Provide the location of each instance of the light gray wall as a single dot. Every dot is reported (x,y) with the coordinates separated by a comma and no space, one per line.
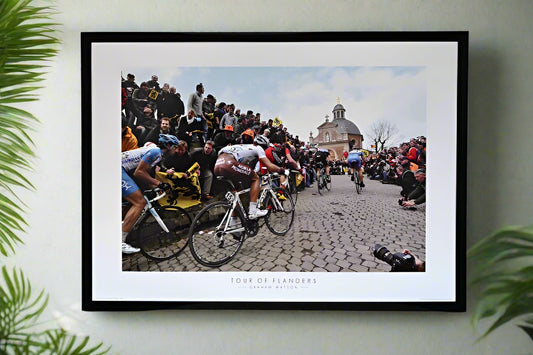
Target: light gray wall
(499,175)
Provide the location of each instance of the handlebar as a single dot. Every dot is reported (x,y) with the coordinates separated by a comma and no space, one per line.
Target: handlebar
(154,194)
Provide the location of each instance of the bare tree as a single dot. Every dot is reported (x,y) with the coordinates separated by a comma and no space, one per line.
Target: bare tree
(381,133)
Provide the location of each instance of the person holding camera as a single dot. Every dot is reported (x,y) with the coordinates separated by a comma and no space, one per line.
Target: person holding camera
(400,262)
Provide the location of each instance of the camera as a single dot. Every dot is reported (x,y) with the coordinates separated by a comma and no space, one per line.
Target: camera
(398,261)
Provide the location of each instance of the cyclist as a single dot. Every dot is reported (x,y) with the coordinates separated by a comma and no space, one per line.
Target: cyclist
(321,159)
(136,167)
(237,163)
(277,153)
(355,161)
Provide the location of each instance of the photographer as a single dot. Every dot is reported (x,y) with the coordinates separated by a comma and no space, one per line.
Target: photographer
(418,195)
(399,262)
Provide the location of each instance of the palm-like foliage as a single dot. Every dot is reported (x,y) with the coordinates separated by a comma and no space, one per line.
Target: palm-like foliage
(27,41)
(503,266)
(19,311)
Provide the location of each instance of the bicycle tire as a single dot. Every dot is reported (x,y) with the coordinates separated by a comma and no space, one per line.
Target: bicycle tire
(154,242)
(327,184)
(293,188)
(277,221)
(357,182)
(208,246)
(319,183)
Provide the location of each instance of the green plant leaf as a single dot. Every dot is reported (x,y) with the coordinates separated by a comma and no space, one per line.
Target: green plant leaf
(503,268)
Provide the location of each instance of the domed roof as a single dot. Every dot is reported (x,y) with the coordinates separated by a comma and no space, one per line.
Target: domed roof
(346,126)
(338,107)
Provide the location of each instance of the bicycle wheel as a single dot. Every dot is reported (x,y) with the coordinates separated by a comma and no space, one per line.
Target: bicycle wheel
(211,242)
(292,187)
(357,182)
(279,218)
(155,243)
(327,183)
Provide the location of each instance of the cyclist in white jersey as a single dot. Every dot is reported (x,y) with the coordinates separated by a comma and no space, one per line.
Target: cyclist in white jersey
(237,162)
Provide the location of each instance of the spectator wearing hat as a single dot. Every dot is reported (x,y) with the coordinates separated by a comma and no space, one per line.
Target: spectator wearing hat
(247,137)
(224,138)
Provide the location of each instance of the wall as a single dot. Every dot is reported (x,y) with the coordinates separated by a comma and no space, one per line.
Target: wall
(499,175)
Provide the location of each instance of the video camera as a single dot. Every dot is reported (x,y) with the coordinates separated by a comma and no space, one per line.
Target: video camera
(399,262)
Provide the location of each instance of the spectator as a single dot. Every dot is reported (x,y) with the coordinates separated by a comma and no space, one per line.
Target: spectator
(129,86)
(195,103)
(208,107)
(175,108)
(418,195)
(224,138)
(220,111)
(153,84)
(140,98)
(187,127)
(206,158)
(179,162)
(145,123)
(164,102)
(164,127)
(229,118)
(129,141)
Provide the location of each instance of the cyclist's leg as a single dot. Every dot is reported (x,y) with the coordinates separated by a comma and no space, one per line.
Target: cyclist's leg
(360,172)
(132,194)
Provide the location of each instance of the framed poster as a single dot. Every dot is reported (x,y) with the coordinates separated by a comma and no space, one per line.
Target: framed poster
(398,98)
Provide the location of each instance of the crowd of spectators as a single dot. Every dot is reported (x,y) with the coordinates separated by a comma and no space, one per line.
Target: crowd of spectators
(405,166)
(205,125)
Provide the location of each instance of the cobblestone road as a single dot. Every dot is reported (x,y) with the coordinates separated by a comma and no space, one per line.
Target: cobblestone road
(335,232)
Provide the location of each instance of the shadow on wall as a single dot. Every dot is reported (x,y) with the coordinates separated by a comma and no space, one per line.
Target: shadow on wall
(485,150)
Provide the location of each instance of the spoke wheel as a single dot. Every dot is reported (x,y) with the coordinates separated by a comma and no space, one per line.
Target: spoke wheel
(158,245)
(279,218)
(210,241)
(358,187)
(327,184)
(293,189)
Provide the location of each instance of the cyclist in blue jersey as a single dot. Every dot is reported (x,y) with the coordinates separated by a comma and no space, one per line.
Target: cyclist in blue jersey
(136,167)
(355,161)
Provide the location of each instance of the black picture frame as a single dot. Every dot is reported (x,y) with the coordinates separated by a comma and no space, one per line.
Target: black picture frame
(98,265)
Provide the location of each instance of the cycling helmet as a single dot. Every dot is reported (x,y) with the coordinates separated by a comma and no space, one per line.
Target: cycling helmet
(168,139)
(262,141)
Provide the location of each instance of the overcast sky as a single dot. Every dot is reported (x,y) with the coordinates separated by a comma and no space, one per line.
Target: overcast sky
(303,96)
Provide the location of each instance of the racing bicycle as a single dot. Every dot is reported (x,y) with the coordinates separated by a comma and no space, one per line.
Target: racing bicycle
(323,183)
(219,230)
(357,181)
(160,231)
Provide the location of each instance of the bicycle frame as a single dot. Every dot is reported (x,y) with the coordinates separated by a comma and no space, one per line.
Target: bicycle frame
(150,207)
(234,198)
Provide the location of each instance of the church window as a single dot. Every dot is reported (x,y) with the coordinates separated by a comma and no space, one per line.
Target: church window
(327,137)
